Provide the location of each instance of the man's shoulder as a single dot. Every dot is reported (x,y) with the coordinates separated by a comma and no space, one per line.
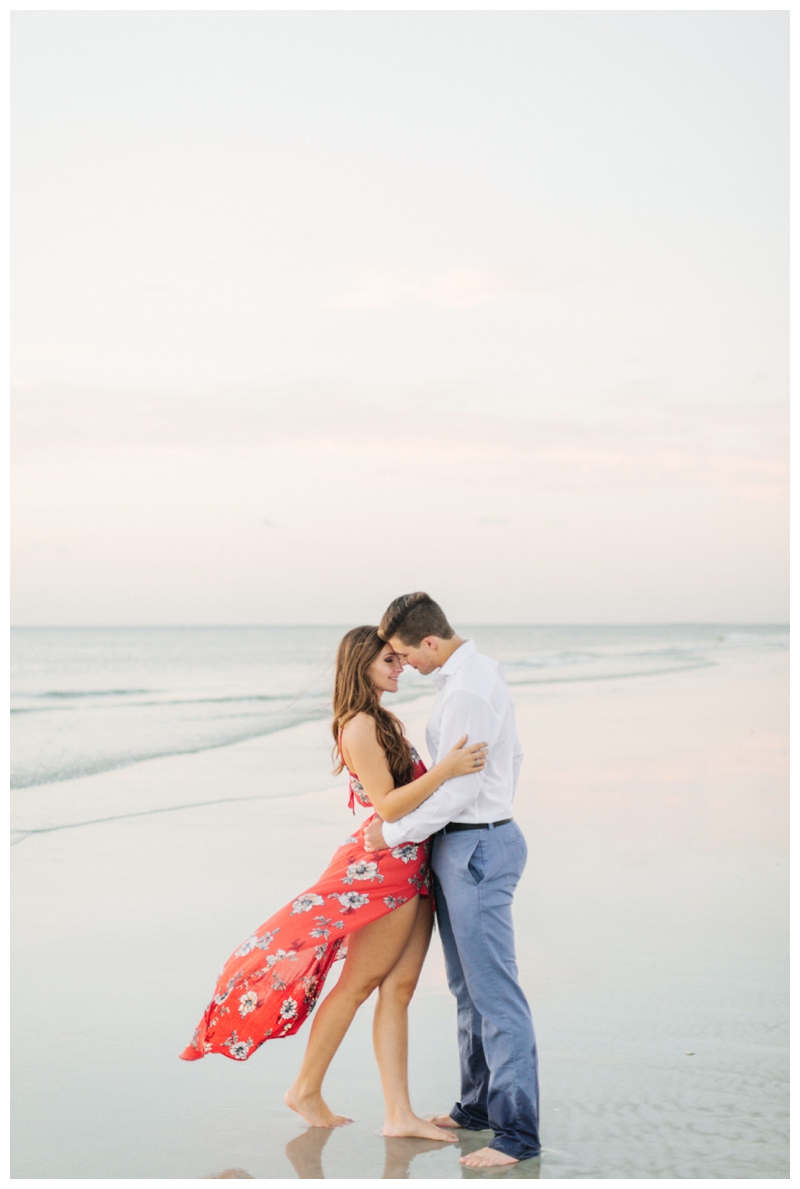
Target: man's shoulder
(480,662)
(478,674)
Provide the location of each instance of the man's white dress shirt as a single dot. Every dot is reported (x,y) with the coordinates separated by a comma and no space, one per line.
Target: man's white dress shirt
(472,700)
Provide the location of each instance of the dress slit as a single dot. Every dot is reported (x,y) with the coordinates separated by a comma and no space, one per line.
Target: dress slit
(271,983)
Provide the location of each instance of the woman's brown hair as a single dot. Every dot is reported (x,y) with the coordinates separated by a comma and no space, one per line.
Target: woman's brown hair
(354,692)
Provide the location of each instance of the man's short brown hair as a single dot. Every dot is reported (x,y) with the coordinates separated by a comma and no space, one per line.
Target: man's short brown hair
(412,617)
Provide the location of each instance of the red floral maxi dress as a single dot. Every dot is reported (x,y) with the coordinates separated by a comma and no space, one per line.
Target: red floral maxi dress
(273,980)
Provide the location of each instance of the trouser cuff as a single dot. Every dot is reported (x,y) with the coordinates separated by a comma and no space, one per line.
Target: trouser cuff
(468,1120)
(509,1148)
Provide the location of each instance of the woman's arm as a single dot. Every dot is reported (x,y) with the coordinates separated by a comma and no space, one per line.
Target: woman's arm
(360,740)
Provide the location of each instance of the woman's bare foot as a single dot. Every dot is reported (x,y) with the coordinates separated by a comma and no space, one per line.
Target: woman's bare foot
(487,1158)
(442,1121)
(313,1109)
(412,1125)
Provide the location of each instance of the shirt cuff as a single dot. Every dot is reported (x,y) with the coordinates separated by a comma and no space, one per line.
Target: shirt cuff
(394,834)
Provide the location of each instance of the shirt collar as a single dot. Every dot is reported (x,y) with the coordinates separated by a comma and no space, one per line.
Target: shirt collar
(454,662)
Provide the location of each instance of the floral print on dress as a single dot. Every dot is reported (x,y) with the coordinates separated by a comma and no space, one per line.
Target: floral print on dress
(349,900)
(406,852)
(279,956)
(357,791)
(306,903)
(288,1009)
(222,995)
(362,870)
(274,992)
(247,1003)
(420,879)
(255,941)
(321,926)
(239,1049)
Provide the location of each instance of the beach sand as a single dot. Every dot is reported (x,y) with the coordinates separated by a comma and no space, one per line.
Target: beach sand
(651,928)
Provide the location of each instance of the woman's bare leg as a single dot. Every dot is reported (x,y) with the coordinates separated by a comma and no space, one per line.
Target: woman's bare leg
(371,953)
(390,1032)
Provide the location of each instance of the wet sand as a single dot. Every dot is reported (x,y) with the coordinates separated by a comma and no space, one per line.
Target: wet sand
(651,925)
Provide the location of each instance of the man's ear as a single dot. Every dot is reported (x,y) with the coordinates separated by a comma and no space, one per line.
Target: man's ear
(432,643)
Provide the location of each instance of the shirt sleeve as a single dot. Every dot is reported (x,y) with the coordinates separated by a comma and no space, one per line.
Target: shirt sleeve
(463,713)
(518,754)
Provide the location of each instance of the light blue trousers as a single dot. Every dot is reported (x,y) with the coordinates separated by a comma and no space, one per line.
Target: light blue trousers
(476,872)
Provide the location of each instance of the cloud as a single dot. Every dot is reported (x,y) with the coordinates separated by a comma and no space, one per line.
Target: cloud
(639,444)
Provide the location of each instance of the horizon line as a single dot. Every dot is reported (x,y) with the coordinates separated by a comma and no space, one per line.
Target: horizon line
(345,626)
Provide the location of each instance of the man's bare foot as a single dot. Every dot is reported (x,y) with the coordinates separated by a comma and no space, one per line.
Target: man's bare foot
(313,1109)
(487,1158)
(442,1121)
(412,1125)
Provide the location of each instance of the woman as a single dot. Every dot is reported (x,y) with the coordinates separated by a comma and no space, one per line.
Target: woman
(373,908)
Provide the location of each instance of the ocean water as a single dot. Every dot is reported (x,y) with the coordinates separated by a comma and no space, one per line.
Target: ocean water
(87,700)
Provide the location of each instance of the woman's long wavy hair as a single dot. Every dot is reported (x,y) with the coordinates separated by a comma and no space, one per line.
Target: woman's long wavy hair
(353,691)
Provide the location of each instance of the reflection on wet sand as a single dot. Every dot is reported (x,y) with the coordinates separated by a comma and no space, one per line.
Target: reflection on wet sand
(526,1170)
(305,1154)
(232,1174)
(401,1150)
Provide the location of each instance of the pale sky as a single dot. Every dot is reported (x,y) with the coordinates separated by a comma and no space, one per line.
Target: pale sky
(311,309)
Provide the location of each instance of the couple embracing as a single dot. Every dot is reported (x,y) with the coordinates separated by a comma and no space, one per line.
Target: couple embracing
(445,835)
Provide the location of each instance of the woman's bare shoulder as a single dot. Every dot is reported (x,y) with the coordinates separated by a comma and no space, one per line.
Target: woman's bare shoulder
(360,728)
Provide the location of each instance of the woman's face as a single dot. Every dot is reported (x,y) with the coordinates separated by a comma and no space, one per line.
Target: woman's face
(385,670)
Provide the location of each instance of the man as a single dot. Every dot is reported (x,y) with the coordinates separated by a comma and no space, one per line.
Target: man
(478,857)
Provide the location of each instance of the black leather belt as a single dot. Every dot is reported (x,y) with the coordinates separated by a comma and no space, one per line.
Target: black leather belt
(452,826)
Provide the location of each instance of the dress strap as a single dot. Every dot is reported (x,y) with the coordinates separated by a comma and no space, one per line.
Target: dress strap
(351,804)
